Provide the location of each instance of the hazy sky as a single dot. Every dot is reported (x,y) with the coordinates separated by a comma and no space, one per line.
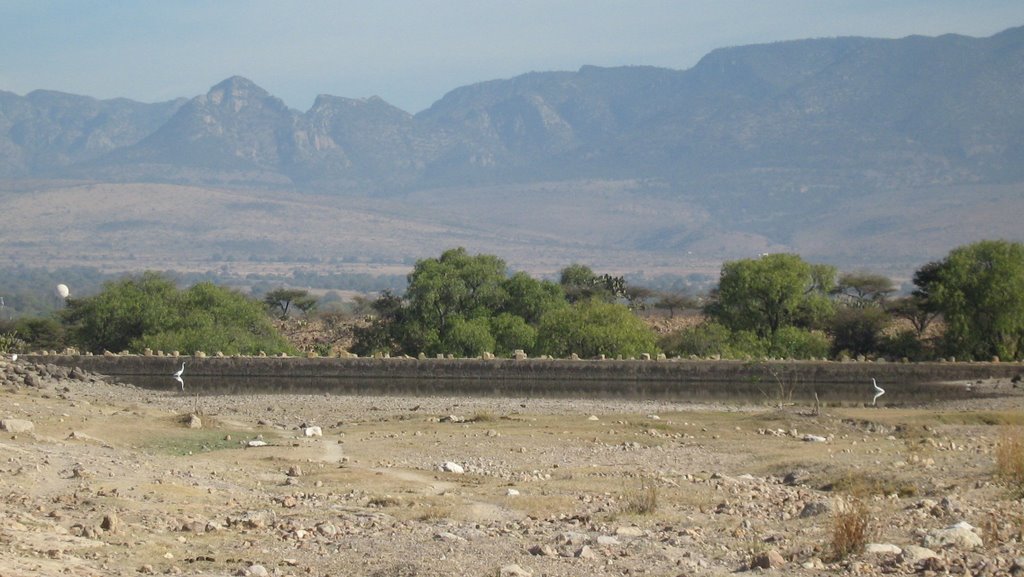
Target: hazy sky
(411,52)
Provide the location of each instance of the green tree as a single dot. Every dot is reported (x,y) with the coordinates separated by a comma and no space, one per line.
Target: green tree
(387,328)
(704,340)
(915,310)
(796,343)
(41,333)
(469,338)
(529,298)
(858,330)
(766,294)
(149,311)
(863,289)
(979,288)
(591,328)
(512,332)
(214,318)
(282,299)
(452,287)
(673,302)
(122,313)
(580,283)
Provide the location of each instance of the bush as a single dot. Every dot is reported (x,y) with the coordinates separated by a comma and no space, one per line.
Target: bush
(512,332)
(858,330)
(643,501)
(704,340)
(1010,459)
(150,312)
(41,333)
(469,338)
(593,328)
(10,343)
(904,344)
(849,530)
(791,342)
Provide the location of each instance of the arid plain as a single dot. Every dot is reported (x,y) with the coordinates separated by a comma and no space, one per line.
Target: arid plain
(100,478)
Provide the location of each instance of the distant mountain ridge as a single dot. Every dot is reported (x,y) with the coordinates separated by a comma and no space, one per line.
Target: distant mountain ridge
(765,139)
(949,106)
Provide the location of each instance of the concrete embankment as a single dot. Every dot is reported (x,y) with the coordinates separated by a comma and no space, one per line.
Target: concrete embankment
(553,372)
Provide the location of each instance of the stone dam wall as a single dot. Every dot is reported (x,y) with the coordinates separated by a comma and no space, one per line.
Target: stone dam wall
(470,375)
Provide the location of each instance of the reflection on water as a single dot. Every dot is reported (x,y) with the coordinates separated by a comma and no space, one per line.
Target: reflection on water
(632,389)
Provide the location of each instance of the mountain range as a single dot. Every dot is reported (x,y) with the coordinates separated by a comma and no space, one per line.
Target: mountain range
(857,151)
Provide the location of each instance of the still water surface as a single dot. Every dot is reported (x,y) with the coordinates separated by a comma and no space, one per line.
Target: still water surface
(738,392)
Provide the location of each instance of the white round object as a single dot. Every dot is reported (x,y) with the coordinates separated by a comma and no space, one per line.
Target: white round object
(63,291)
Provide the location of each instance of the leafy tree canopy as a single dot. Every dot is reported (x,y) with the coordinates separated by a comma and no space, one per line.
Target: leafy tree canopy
(979,288)
(282,300)
(149,311)
(862,289)
(591,328)
(465,305)
(765,294)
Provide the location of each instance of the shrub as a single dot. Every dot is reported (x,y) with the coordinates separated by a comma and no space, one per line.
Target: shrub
(849,530)
(643,501)
(1010,459)
(593,328)
(792,342)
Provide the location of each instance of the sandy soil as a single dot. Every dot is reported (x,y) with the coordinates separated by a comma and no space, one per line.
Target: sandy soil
(116,480)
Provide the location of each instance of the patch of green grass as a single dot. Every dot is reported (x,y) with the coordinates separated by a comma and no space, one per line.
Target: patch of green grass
(193,441)
(862,485)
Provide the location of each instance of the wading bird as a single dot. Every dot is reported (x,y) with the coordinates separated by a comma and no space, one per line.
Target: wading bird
(177,377)
(879,391)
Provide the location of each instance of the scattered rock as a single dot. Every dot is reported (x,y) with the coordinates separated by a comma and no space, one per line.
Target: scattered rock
(912,554)
(194,422)
(16,425)
(960,536)
(313,431)
(770,559)
(815,508)
(544,550)
(452,467)
(513,570)
(585,552)
(882,549)
(111,523)
(794,478)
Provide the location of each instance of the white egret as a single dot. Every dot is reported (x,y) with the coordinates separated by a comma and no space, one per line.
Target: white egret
(177,376)
(879,391)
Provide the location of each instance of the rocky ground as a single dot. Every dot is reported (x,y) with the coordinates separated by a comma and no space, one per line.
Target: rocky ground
(104,479)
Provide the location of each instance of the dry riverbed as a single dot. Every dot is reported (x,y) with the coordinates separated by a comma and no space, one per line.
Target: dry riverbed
(105,479)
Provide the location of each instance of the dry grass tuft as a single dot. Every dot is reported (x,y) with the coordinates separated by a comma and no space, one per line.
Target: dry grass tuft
(850,529)
(1010,459)
(385,501)
(435,513)
(482,417)
(643,501)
